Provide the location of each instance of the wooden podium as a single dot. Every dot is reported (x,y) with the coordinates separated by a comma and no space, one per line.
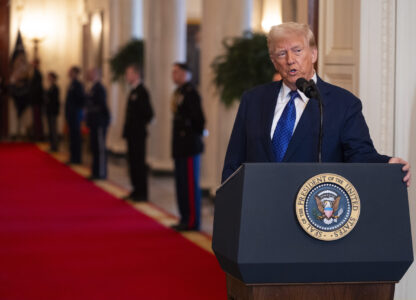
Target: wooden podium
(266,254)
(238,290)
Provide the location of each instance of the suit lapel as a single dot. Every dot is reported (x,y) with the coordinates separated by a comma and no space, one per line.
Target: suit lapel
(308,121)
(267,118)
(324,89)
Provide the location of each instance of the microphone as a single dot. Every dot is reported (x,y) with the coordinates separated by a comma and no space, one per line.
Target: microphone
(310,89)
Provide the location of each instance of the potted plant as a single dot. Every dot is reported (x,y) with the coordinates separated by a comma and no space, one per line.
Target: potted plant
(132,52)
(244,64)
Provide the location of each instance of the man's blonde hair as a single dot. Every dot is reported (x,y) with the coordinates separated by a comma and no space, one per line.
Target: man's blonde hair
(279,31)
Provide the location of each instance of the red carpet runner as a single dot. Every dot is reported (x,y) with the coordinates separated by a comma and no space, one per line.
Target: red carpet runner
(61,237)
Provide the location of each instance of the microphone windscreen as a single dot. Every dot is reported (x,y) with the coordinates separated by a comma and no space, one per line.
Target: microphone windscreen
(302,84)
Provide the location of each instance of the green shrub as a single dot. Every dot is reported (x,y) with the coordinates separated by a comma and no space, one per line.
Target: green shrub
(132,52)
(245,64)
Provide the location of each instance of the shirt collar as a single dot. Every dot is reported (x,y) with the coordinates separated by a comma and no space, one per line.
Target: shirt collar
(135,85)
(286,90)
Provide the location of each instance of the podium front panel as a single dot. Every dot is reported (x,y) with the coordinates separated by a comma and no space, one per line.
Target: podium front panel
(258,239)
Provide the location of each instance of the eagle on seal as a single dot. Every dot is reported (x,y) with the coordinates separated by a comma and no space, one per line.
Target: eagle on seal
(328,204)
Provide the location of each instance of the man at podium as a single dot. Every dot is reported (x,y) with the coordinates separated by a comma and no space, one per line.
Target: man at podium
(276,122)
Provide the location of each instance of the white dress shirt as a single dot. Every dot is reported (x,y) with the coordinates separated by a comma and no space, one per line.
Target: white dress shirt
(282,99)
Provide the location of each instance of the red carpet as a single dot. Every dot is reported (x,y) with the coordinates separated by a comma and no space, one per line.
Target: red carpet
(61,237)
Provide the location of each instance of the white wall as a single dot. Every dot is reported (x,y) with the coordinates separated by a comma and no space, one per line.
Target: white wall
(405,117)
(339,43)
(387,87)
(165,43)
(388,90)
(193,10)
(137,19)
(377,70)
(220,19)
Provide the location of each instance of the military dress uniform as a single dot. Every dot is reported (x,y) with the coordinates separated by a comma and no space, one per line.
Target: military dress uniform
(75,101)
(138,115)
(98,119)
(52,111)
(187,145)
(37,98)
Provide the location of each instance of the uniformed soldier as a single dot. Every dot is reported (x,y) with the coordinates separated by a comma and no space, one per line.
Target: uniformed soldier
(138,115)
(37,99)
(75,101)
(97,119)
(187,145)
(52,110)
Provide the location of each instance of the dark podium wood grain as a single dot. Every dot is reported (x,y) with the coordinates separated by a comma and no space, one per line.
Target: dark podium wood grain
(238,290)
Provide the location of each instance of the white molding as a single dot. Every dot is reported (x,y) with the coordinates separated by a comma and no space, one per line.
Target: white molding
(405,118)
(165,40)
(341,75)
(388,28)
(339,43)
(220,19)
(377,70)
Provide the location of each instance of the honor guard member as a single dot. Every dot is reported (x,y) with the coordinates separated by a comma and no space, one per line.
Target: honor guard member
(138,115)
(52,110)
(75,101)
(37,98)
(188,127)
(97,119)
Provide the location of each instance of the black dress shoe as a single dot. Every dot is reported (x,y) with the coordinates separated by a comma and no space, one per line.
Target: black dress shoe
(92,178)
(138,199)
(129,196)
(135,198)
(182,227)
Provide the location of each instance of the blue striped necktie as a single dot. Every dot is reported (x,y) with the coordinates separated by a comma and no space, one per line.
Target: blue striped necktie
(284,128)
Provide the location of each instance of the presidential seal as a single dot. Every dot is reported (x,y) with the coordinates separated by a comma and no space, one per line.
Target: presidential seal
(328,207)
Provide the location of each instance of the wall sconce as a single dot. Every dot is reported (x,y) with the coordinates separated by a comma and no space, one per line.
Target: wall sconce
(272,14)
(96,25)
(95,40)
(34,28)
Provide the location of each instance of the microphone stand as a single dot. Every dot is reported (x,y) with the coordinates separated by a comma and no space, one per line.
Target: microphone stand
(317,95)
(310,89)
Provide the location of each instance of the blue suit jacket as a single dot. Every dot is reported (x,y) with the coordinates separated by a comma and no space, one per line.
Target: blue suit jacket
(345,133)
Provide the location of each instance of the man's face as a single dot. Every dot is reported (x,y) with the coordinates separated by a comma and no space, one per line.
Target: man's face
(72,74)
(178,75)
(51,80)
(91,75)
(131,75)
(36,64)
(293,58)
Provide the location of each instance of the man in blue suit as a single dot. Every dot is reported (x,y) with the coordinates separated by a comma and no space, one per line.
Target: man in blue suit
(97,119)
(278,123)
(75,101)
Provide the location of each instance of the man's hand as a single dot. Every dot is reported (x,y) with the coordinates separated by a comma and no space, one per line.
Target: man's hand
(406,168)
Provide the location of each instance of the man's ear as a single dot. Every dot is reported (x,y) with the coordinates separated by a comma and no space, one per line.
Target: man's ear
(314,54)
